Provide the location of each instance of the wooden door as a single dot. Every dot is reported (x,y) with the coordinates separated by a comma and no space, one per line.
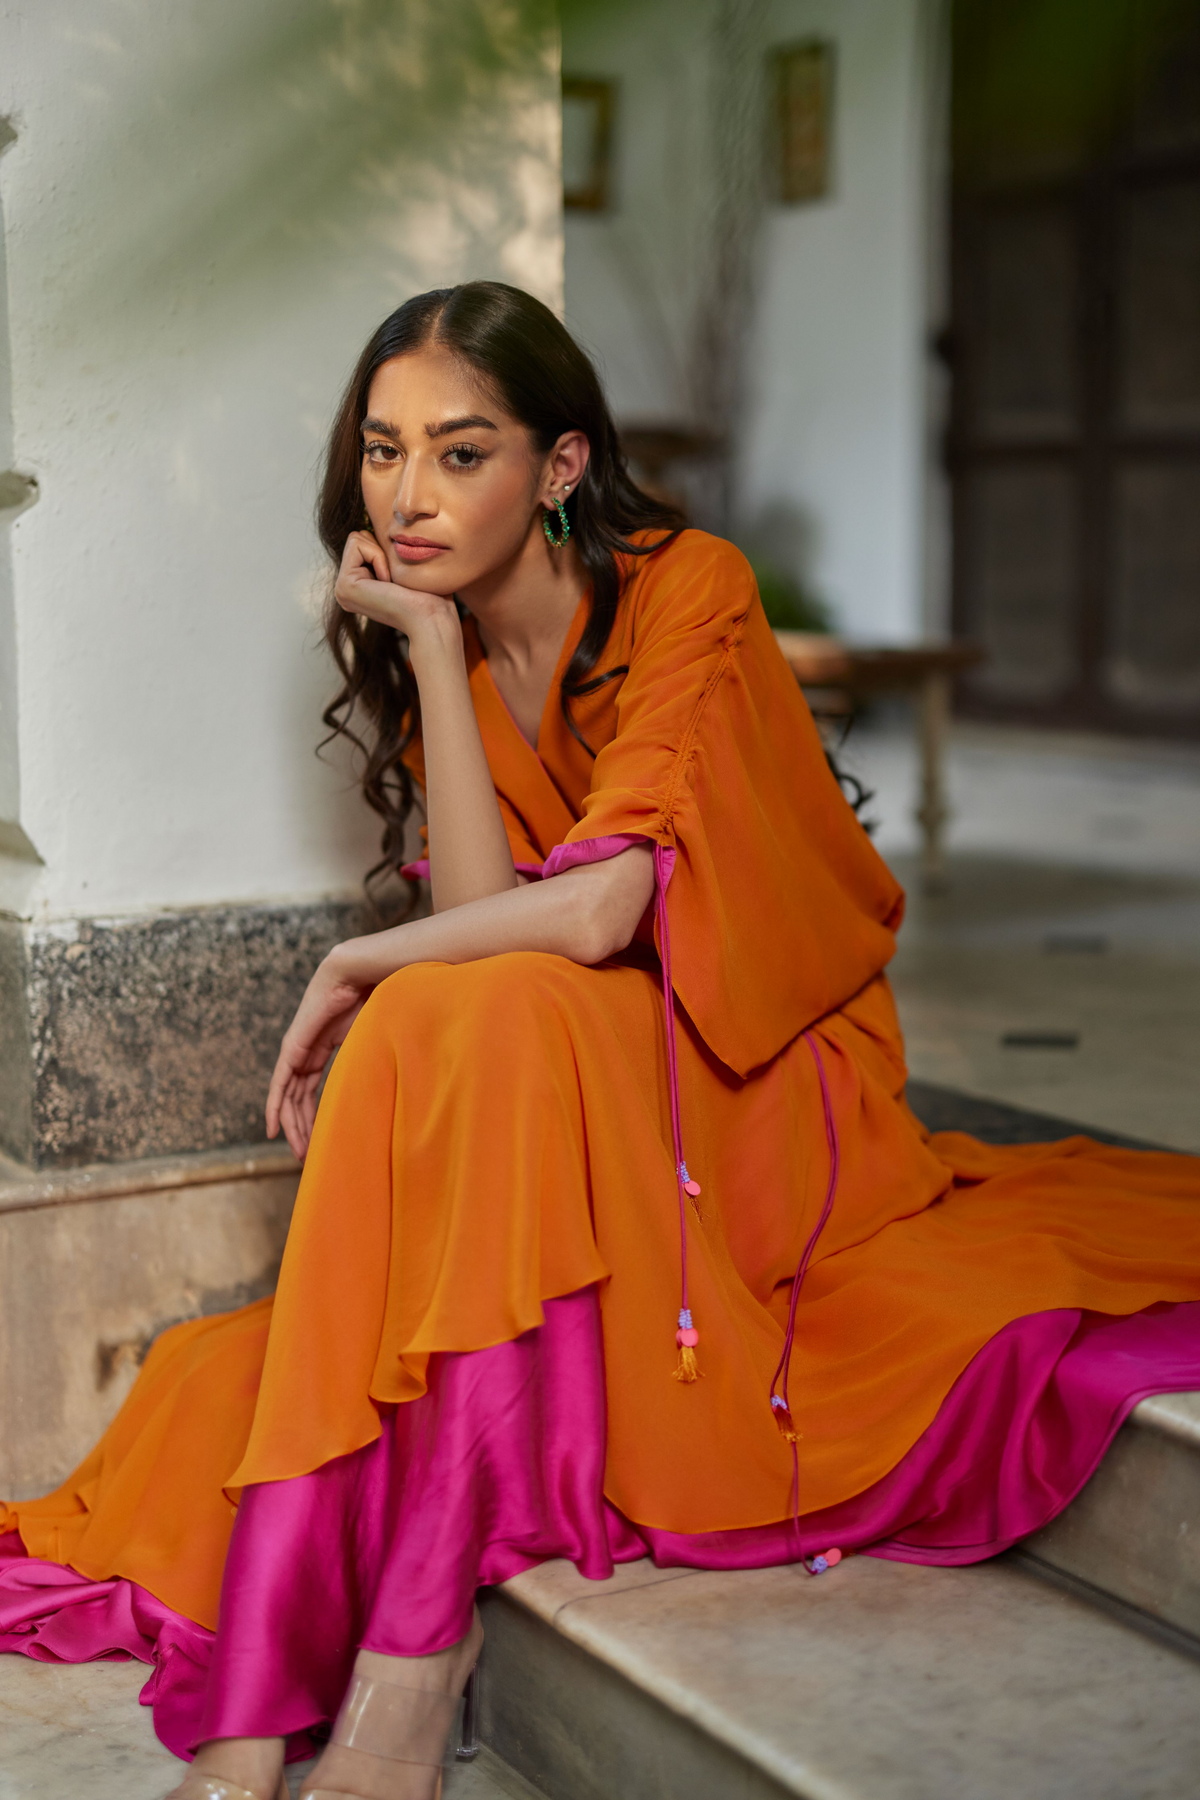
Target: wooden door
(1074,344)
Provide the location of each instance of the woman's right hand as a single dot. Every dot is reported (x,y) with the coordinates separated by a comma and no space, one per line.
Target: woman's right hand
(332,1001)
(364,585)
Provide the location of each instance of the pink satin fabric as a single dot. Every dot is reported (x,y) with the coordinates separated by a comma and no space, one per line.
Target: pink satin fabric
(500,1466)
(560,859)
(419,871)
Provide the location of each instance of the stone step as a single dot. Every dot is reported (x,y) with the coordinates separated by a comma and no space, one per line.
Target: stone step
(877,1681)
(995,1122)
(95,1262)
(1133,1533)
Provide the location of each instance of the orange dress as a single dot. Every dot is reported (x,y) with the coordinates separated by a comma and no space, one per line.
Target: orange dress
(497,1134)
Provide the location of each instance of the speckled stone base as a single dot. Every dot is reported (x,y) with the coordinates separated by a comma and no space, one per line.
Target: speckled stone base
(135,1037)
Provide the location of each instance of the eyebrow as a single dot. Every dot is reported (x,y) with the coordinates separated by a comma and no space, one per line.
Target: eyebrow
(468,422)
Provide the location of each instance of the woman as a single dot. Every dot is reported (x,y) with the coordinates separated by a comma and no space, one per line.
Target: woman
(577,1269)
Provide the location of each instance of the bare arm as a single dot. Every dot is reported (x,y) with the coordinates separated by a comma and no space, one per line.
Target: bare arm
(469,855)
(585,915)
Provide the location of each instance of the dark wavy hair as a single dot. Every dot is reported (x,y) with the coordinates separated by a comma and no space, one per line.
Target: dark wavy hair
(544,380)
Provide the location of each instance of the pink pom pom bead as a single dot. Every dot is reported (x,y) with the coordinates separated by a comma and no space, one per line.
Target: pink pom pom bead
(692,1188)
(688,1338)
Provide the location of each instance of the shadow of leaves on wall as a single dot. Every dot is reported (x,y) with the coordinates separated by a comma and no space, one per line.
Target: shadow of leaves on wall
(233,146)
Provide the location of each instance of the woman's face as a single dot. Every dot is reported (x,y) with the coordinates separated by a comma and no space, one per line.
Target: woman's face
(452,484)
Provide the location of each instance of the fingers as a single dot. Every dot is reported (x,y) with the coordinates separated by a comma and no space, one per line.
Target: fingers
(364,551)
(298,1112)
(293,1127)
(372,553)
(280,1077)
(308,1111)
(292,1105)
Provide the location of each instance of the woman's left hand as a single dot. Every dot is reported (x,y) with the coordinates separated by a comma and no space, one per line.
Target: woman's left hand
(331,1003)
(365,586)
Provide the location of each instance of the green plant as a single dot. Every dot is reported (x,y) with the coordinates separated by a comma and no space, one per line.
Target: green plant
(787,604)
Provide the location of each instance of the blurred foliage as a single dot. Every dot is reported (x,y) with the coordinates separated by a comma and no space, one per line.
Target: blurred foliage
(1044,85)
(787,604)
(232,145)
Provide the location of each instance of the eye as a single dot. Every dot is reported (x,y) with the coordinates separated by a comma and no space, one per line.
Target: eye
(379,453)
(463,456)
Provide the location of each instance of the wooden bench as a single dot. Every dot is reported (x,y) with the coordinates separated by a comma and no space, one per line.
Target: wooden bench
(838,677)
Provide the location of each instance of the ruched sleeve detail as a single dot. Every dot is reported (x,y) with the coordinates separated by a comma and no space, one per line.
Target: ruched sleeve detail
(780,907)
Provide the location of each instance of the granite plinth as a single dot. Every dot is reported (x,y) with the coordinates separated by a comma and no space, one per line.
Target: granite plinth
(137,1037)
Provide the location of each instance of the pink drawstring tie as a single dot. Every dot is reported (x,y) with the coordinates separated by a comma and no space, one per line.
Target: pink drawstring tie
(779,1381)
(686,1336)
(816,1565)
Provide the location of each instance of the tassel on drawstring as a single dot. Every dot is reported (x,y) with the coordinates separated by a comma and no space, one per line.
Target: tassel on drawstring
(687,1337)
(781,1413)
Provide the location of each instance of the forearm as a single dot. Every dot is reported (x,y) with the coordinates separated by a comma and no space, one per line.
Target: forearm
(469,855)
(584,915)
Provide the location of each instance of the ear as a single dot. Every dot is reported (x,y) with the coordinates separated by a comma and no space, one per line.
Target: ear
(564,467)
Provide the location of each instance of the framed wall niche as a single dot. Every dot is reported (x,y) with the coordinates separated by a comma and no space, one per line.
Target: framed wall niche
(589,107)
(801,79)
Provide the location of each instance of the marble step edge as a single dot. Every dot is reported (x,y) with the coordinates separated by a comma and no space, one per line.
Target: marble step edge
(23,1190)
(1148,1624)
(941,1108)
(572,1620)
(1133,1531)
(696,1685)
(1174,1415)
(561,1710)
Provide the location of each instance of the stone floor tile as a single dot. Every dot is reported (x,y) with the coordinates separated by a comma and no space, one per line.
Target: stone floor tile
(72,1732)
(78,1731)
(487,1778)
(1015,947)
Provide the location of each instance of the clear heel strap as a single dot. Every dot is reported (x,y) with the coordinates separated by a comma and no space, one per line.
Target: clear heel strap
(398,1724)
(212,1787)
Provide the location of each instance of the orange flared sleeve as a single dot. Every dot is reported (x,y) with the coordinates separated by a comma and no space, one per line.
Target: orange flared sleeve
(780,907)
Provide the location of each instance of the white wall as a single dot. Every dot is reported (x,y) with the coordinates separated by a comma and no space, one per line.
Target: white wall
(832,457)
(633,271)
(833,445)
(208,207)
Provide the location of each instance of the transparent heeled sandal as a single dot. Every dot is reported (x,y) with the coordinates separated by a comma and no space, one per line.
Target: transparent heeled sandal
(195,1786)
(404,1725)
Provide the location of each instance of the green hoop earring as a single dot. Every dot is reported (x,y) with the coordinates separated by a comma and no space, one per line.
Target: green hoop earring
(556,543)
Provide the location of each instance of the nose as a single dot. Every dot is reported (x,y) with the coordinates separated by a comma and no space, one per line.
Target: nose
(414,496)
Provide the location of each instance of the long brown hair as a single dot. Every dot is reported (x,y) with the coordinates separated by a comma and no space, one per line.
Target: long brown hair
(545,381)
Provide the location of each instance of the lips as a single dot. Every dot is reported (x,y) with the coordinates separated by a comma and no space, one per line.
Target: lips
(415,549)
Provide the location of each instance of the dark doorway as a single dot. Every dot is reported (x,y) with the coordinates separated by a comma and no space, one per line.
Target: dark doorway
(1074,445)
